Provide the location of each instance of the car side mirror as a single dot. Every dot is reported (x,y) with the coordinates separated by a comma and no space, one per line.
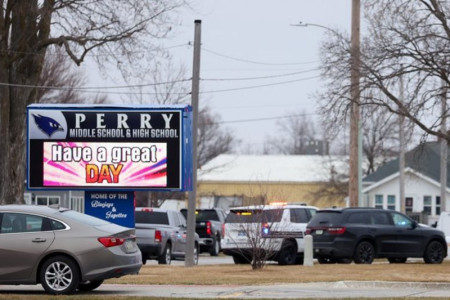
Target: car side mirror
(414,225)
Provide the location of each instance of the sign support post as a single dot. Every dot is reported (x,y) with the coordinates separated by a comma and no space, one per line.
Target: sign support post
(189,261)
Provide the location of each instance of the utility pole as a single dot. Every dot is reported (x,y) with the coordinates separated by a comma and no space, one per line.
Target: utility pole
(444,147)
(355,162)
(189,260)
(402,149)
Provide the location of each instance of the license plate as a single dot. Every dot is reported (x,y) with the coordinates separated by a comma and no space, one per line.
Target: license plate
(129,246)
(318,232)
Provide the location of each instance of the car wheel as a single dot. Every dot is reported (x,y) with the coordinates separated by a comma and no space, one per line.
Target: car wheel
(90,285)
(241,260)
(288,253)
(215,248)
(326,260)
(365,253)
(196,254)
(434,253)
(397,260)
(166,257)
(299,260)
(344,260)
(59,275)
(144,259)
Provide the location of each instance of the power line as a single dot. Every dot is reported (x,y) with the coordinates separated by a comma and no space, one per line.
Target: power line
(256,62)
(266,119)
(91,88)
(259,86)
(261,77)
(96,89)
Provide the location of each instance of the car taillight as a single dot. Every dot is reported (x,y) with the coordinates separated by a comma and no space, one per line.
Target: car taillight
(223,230)
(158,237)
(110,241)
(336,230)
(208,227)
(308,231)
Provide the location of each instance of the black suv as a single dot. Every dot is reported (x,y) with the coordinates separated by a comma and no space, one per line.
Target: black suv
(362,234)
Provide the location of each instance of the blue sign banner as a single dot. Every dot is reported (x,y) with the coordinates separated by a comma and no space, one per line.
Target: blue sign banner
(117,207)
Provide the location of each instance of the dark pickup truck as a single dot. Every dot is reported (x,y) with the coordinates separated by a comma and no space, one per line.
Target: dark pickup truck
(209,228)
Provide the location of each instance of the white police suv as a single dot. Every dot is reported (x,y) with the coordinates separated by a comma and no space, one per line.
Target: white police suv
(266,232)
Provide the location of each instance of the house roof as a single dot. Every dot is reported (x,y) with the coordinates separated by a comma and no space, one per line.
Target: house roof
(273,168)
(424,159)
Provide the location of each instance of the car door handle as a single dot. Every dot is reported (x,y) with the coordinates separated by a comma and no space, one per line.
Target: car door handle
(39,240)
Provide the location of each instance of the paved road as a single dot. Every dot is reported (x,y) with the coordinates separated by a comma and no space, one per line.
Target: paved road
(204,259)
(342,289)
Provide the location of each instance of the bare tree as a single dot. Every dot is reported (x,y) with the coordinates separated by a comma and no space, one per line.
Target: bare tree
(335,189)
(212,139)
(409,39)
(380,137)
(259,232)
(294,133)
(63,81)
(118,30)
(172,86)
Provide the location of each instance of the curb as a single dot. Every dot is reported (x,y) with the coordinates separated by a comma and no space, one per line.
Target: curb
(393,284)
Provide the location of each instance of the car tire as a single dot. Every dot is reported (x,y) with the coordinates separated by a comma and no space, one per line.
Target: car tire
(59,275)
(299,260)
(144,259)
(326,260)
(344,260)
(196,254)
(90,285)
(241,259)
(215,247)
(434,253)
(364,253)
(397,260)
(288,253)
(166,256)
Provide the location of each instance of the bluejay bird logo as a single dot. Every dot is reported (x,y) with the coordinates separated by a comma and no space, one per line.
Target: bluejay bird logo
(47,125)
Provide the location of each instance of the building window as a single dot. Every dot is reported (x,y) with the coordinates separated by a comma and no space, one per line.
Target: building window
(47,200)
(378,201)
(427,204)
(438,205)
(409,204)
(391,202)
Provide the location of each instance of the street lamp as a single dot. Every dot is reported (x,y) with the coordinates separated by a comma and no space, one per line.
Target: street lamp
(355,157)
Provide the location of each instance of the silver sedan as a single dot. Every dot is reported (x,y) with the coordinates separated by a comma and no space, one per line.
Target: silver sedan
(62,249)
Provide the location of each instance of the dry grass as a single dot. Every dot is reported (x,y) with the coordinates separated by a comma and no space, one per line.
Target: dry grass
(272,274)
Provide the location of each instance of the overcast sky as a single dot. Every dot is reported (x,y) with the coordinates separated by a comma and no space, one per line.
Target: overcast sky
(254,39)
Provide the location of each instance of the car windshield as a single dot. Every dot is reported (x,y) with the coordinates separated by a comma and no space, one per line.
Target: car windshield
(83,218)
(151,217)
(254,215)
(203,215)
(326,218)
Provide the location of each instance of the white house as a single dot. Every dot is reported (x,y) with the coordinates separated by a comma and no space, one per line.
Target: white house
(422,183)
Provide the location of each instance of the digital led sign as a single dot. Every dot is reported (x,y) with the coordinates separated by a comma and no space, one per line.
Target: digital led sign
(124,148)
